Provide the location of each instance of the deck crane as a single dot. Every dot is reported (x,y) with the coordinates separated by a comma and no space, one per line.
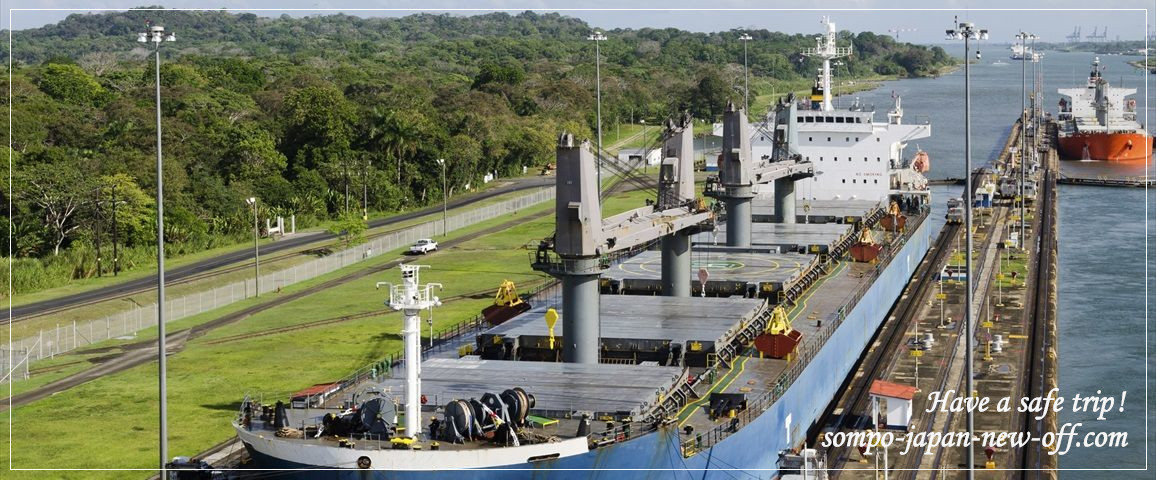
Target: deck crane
(582,241)
(738,173)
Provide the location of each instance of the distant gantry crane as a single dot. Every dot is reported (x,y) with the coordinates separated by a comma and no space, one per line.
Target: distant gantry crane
(1097,35)
(1074,37)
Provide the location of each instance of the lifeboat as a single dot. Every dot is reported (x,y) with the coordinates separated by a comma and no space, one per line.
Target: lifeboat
(922,162)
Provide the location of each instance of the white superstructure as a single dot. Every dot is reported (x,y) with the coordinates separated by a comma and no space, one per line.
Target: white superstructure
(854,156)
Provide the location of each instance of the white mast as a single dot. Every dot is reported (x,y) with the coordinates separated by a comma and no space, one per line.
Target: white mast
(411,298)
(826,48)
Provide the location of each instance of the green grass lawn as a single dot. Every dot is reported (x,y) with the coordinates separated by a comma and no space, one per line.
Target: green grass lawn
(112,422)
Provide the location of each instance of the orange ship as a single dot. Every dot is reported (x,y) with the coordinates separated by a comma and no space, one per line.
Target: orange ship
(1099,123)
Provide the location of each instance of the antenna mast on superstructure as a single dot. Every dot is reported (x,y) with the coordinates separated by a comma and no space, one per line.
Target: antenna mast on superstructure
(827,49)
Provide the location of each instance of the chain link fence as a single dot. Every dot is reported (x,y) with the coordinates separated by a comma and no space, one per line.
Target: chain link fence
(63,338)
(13,364)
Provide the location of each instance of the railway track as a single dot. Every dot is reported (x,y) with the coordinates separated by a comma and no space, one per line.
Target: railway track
(876,359)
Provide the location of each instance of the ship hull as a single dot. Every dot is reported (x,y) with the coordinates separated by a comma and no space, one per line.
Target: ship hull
(1111,147)
(753,449)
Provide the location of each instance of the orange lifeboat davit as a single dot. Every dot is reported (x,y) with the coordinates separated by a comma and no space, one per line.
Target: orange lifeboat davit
(922,162)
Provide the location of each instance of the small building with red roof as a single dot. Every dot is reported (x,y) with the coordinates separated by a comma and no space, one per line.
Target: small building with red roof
(894,400)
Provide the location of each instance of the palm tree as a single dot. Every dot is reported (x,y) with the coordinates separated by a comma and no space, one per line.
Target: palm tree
(397,133)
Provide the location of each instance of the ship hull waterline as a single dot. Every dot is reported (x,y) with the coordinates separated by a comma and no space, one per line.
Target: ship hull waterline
(753,449)
(1110,147)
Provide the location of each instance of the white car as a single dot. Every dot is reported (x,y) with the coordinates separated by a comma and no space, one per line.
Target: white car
(424,246)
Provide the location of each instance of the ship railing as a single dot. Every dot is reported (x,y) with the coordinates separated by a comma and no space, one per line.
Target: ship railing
(802,358)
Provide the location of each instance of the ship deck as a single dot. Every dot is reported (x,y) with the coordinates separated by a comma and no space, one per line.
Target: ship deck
(643,272)
(819,211)
(675,319)
(559,388)
(786,237)
(755,376)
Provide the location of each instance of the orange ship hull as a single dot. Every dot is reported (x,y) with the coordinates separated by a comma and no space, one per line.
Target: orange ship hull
(1112,147)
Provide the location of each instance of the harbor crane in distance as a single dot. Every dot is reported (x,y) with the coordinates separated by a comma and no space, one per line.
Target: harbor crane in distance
(1074,37)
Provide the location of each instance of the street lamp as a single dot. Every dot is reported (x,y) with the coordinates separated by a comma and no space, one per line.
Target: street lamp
(597,36)
(967,31)
(1023,38)
(252,202)
(156,34)
(445,202)
(746,74)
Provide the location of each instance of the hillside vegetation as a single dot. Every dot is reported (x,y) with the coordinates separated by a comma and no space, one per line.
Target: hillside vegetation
(296,111)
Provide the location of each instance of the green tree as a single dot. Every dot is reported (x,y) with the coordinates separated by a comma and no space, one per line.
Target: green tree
(251,154)
(71,84)
(58,189)
(350,226)
(135,209)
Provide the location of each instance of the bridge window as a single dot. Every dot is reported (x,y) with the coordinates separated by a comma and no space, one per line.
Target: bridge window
(810,139)
(799,119)
(858,119)
(864,159)
(878,139)
(844,180)
(846,139)
(877,159)
(854,180)
(828,139)
(876,180)
(838,119)
(856,139)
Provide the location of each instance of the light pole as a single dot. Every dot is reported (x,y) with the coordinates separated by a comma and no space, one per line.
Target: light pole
(252,202)
(364,190)
(597,36)
(156,34)
(967,31)
(1023,38)
(746,74)
(445,202)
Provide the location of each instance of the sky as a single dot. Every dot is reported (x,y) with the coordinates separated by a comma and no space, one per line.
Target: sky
(1127,19)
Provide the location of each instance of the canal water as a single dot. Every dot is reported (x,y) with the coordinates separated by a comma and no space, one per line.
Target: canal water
(1103,333)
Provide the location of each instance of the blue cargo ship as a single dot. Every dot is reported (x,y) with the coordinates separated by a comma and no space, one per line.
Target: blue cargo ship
(653,371)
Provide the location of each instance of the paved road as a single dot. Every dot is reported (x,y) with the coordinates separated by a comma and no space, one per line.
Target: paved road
(18,313)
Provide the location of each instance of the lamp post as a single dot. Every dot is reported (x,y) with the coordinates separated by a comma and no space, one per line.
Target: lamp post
(967,31)
(445,204)
(597,36)
(252,202)
(746,74)
(156,34)
(1023,38)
